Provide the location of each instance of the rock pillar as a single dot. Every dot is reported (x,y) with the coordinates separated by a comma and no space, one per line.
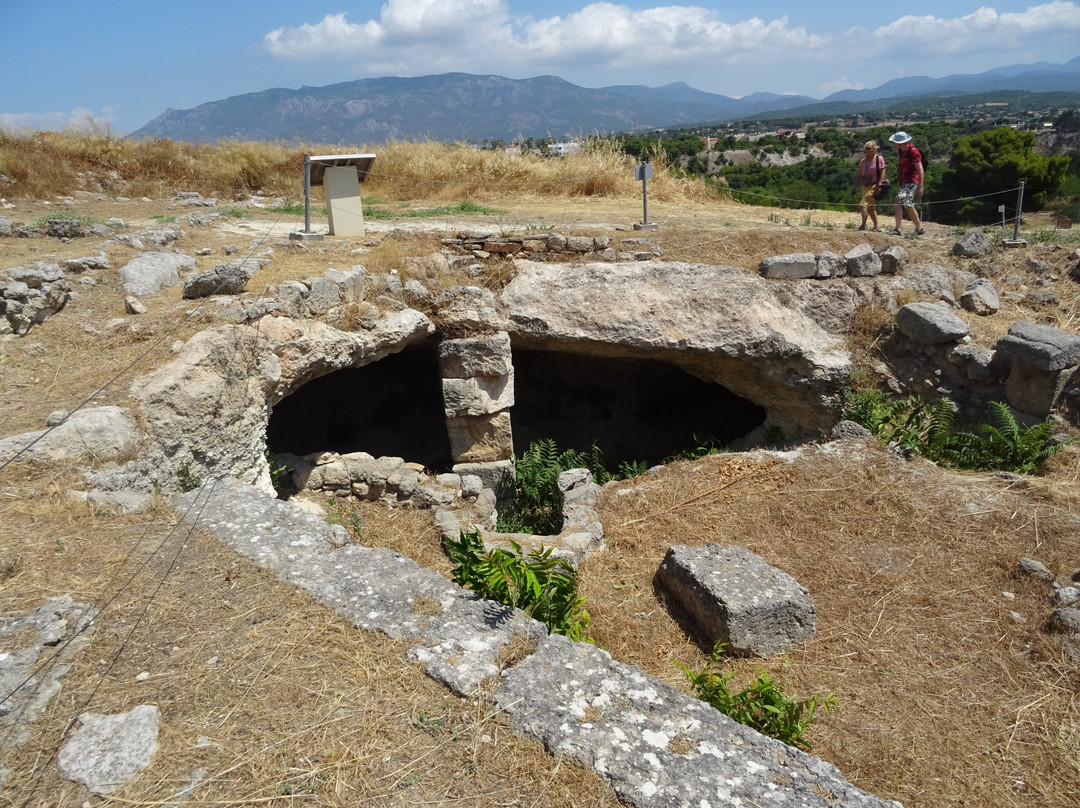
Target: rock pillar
(478,392)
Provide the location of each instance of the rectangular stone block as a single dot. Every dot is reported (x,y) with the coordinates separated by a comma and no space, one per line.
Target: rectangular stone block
(479,395)
(475,356)
(794,265)
(736,598)
(480,439)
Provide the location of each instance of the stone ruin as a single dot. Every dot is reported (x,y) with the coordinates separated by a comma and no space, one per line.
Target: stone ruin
(609,349)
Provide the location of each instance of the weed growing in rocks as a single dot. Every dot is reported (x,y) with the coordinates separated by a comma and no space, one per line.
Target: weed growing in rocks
(763,705)
(188,479)
(913,425)
(543,587)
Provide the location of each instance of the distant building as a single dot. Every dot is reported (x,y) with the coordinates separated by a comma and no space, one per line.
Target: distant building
(565,147)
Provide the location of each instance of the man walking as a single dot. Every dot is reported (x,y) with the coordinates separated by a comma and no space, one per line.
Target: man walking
(910,182)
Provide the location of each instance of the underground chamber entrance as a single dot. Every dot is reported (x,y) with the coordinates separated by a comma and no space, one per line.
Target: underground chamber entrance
(631,409)
(391,408)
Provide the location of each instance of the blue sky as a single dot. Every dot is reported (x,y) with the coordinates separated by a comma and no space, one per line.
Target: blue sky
(123,62)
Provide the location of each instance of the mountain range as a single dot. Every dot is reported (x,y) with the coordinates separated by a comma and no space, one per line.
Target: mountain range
(461,106)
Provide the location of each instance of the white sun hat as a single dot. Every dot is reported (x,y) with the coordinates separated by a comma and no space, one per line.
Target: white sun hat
(900,137)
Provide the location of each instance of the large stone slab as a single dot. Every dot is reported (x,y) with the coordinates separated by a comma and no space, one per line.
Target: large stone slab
(152,272)
(100,432)
(930,323)
(660,748)
(721,324)
(108,750)
(736,598)
(458,635)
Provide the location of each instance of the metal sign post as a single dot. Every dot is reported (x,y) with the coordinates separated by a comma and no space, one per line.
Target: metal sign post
(1016,241)
(642,173)
(306,234)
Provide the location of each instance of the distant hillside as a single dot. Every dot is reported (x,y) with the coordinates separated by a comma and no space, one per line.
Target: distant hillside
(448,107)
(460,106)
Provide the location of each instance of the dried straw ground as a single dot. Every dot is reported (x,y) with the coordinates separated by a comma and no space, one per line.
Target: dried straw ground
(945,700)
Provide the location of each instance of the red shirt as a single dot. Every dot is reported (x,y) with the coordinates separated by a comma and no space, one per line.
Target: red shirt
(910,159)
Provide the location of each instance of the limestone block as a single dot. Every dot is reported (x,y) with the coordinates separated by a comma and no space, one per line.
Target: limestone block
(1040,346)
(863,262)
(738,599)
(36,276)
(481,439)
(977,362)
(480,395)
(581,244)
(980,298)
(930,323)
(149,273)
(291,296)
(972,245)
(98,432)
(324,294)
(224,279)
(495,475)
(893,260)
(475,356)
(352,284)
(467,307)
(830,265)
(336,475)
(793,265)
(1034,391)
(556,242)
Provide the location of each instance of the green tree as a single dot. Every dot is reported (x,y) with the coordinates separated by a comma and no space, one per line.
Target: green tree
(986,168)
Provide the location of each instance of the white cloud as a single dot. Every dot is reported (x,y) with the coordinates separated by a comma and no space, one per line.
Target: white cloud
(842,83)
(414,36)
(981,30)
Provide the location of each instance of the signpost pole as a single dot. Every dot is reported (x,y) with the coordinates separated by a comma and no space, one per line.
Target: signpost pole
(1016,241)
(307,193)
(643,172)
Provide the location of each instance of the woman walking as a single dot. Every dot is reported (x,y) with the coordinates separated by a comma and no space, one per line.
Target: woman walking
(870,174)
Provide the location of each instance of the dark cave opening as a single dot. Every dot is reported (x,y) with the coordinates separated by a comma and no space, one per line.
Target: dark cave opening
(632,409)
(392,408)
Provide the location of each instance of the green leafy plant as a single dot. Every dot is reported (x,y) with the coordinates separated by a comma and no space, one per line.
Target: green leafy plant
(543,587)
(763,705)
(1012,447)
(537,501)
(188,479)
(279,474)
(161,218)
(236,213)
(703,444)
(64,215)
(632,468)
(912,424)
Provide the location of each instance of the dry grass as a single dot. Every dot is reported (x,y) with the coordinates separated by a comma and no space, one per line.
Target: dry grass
(945,700)
(274,697)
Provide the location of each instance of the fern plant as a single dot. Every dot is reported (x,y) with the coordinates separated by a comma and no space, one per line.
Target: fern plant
(763,705)
(914,425)
(543,587)
(1011,447)
(537,500)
